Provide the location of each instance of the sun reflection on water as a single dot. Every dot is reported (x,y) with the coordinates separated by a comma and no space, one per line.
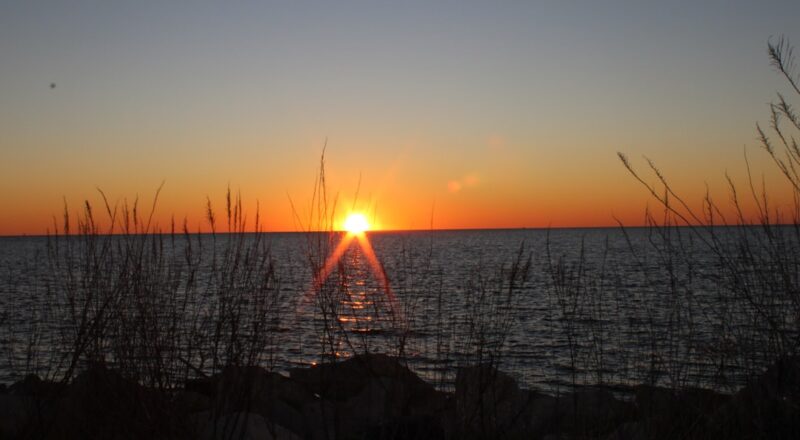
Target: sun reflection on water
(365,303)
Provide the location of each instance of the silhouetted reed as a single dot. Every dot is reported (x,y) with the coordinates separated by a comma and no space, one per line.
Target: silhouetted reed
(474,332)
(715,288)
(159,308)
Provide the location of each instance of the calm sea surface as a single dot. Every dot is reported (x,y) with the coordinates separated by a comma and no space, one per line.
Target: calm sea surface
(596,305)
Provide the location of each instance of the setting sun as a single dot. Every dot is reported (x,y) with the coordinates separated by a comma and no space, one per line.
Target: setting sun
(356,223)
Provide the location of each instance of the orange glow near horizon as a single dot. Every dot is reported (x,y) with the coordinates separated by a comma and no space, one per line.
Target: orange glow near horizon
(409,191)
(551,209)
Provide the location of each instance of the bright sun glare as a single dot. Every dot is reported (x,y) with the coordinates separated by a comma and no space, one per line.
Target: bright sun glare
(356,223)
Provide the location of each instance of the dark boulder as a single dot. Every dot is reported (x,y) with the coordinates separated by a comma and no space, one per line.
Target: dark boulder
(322,420)
(368,394)
(342,380)
(206,386)
(34,386)
(17,416)
(187,402)
(489,403)
(388,404)
(540,415)
(637,430)
(424,427)
(768,407)
(672,413)
(256,390)
(240,387)
(592,413)
(101,403)
(241,426)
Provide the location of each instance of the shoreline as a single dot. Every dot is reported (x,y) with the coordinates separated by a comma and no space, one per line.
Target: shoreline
(377,396)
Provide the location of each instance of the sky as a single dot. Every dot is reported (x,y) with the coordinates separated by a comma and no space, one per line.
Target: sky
(449,114)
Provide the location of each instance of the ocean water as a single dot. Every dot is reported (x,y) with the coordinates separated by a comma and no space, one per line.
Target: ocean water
(555,308)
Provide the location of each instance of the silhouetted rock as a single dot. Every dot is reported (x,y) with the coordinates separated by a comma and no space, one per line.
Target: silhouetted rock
(638,430)
(101,403)
(379,401)
(382,403)
(32,385)
(685,403)
(540,415)
(674,413)
(425,427)
(769,407)
(15,415)
(364,394)
(321,420)
(375,396)
(384,400)
(781,381)
(242,426)
(342,380)
(488,402)
(256,390)
(203,385)
(592,412)
(187,402)
(240,387)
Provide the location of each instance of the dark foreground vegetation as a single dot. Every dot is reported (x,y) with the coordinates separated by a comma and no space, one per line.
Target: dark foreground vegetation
(376,396)
(139,333)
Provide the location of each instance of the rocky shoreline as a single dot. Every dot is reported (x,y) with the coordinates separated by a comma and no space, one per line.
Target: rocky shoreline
(376,396)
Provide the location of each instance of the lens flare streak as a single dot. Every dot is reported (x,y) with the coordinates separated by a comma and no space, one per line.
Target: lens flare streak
(377,268)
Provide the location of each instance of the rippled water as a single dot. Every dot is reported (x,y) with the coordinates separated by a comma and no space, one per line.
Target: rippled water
(622,307)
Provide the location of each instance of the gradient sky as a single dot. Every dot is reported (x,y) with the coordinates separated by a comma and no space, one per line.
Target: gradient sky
(488,114)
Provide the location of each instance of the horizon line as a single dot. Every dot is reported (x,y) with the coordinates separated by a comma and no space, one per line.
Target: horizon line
(391,231)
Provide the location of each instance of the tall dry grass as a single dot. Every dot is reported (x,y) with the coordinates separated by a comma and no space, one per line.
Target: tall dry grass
(160,306)
(715,295)
(420,324)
